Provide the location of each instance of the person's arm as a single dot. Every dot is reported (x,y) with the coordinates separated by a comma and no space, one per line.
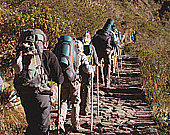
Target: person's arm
(56,71)
(1,81)
(96,61)
(53,67)
(86,67)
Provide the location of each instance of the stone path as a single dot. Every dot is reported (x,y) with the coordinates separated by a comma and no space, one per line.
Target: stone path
(123,109)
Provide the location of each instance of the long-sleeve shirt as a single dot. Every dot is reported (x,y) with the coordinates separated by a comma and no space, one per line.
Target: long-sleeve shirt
(52,67)
(95,55)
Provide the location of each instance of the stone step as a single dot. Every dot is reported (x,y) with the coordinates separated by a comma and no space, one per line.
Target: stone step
(122,107)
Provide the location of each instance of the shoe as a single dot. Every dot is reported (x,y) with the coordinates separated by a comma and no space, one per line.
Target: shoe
(107,85)
(62,129)
(61,126)
(84,113)
(80,130)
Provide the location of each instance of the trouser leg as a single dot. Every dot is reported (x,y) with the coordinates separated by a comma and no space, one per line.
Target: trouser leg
(107,69)
(85,94)
(101,75)
(37,110)
(88,97)
(64,99)
(75,99)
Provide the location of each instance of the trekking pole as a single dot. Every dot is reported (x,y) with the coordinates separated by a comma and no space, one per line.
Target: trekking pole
(97,90)
(117,67)
(121,58)
(59,94)
(92,101)
(101,68)
(114,70)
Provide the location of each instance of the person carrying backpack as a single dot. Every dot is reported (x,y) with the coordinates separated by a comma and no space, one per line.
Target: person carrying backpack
(90,52)
(72,59)
(104,42)
(1,81)
(35,66)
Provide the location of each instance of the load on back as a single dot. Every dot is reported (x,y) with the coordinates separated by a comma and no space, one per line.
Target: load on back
(65,50)
(102,40)
(28,64)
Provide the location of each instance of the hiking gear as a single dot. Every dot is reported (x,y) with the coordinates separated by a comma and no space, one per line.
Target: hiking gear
(108,25)
(79,130)
(92,75)
(67,51)
(97,90)
(88,49)
(102,44)
(60,125)
(30,65)
(102,40)
(86,39)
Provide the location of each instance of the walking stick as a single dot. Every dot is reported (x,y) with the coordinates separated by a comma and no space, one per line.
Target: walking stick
(114,68)
(92,101)
(101,67)
(92,75)
(59,95)
(97,90)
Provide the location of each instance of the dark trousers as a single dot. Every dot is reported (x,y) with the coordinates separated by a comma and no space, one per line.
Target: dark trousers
(37,109)
(107,66)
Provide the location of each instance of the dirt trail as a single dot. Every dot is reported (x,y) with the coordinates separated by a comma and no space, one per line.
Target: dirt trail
(123,109)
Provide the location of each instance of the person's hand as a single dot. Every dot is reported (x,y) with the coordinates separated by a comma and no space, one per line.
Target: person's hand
(93,68)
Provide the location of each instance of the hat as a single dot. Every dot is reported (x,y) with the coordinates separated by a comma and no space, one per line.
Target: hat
(86,38)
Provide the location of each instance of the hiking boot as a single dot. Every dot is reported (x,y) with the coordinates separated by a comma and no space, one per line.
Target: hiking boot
(107,85)
(61,125)
(84,113)
(80,130)
(62,129)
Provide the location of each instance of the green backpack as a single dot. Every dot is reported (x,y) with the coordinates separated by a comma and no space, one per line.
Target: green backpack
(30,73)
(68,58)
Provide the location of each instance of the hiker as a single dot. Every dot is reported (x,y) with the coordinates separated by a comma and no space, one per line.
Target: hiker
(71,86)
(134,36)
(1,81)
(117,40)
(34,60)
(91,54)
(104,42)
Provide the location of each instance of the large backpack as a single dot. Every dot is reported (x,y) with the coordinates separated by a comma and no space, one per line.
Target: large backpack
(30,73)
(65,50)
(101,40)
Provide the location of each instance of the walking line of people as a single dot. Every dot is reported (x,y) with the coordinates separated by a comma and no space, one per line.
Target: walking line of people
(36,66)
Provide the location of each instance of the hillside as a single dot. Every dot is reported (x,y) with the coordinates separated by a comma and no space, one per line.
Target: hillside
(149,18)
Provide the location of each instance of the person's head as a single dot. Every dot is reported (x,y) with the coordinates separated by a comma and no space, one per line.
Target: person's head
(86,38)
(79,46)
(116,31)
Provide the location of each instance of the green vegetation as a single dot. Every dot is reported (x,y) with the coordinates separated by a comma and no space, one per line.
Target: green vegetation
(74,17)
